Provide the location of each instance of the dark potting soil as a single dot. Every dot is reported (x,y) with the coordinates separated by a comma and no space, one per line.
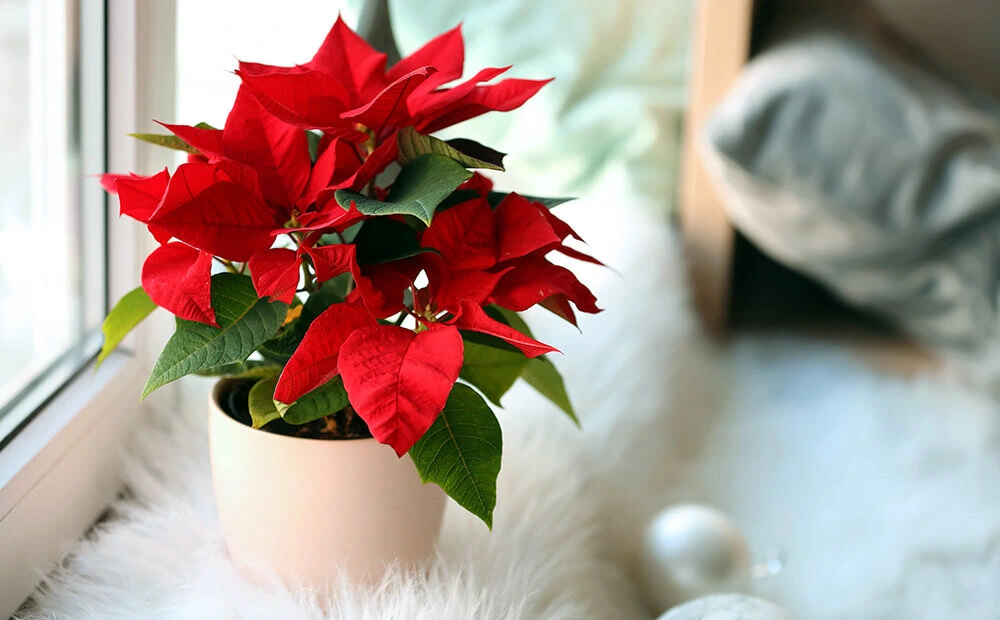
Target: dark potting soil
(344,424)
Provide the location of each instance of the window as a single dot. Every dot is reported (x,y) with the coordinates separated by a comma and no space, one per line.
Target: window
(77,76)
(52,226)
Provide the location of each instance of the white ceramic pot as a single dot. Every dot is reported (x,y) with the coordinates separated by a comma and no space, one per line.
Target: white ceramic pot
(309,508)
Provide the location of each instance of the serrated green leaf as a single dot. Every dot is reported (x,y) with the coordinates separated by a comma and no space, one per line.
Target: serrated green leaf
(245,322)
(495,198)
(250,369)
(491,369)
(261,402)
(383,240)
(169,141)
(461,452)
(328,398)
(421,185)
(127,313)
(541,374)
(413,144)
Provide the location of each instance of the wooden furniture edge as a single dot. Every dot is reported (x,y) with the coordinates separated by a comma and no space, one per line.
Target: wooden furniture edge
(721,47)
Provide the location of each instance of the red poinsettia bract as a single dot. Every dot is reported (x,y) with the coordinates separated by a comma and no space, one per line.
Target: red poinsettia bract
(259,197)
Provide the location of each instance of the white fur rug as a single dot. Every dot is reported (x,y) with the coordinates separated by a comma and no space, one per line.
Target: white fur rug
(880,493)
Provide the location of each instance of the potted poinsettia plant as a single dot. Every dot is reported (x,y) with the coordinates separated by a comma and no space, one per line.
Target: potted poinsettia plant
(348,276)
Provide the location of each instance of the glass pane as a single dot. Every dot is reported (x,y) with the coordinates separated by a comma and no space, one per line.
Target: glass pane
(51,219)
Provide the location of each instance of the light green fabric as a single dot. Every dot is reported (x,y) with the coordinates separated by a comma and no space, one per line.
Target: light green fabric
(616,106)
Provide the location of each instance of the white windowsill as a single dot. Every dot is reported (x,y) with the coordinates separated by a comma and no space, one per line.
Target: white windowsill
(61,471)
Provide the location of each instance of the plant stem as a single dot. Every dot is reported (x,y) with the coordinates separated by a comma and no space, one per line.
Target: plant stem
(227,264)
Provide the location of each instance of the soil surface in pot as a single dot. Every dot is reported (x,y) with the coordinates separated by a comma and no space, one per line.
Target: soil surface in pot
(344,424)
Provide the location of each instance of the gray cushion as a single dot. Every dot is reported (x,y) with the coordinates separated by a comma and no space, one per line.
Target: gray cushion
(875,177)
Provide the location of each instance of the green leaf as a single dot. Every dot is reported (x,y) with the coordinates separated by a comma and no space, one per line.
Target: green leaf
(250,369)
(541,374)
(127,313)
(495,198)
(313,139)
(469,153)
(383,240)
(204,125)
(328,398)
(169,141)
(461,452)
(261,402)
(245,322)
(333,291)
(492,369)
(421,185)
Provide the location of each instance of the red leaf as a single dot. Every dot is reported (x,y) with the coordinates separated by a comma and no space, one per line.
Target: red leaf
(479,183)
(329,217)
(335,163)
(178,278)
(275,273)
(382,286)
(562,228)
(473,318)
(307,99)
(383,155)
(139,198)
(428,102)
(315,360)
(522,228)
(204,208)
(449,287)
(559,305)
(398,381)
(347,57)
(534,280)
(578,255)
(208,141)
(446,53)
(330,261)
(502,97)
(388,106)
(465,235)
(278,151)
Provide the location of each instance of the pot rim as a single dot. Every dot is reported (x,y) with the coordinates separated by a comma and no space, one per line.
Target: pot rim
(213,401)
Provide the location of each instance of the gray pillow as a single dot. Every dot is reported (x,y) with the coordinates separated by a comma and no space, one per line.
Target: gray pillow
(875,177)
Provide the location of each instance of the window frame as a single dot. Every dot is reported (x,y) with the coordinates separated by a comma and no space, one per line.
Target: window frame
(62,469)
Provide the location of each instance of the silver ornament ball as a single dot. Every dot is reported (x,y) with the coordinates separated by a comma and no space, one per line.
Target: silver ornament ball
(727,607)
(689,551)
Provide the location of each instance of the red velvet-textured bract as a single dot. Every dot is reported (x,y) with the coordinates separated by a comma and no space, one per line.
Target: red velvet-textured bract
(178,278)
(275,274)
(398,381)
(204,208)
(473,318)
(315,361)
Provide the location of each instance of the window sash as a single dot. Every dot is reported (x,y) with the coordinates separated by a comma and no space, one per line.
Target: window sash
(59,473)
(67,95)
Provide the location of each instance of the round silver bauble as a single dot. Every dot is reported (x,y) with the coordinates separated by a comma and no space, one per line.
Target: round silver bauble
(689,551)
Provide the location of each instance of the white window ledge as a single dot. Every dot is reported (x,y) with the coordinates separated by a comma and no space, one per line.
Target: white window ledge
(60,472)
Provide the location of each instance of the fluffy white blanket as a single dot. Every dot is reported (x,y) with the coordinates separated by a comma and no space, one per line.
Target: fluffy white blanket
(880,493)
